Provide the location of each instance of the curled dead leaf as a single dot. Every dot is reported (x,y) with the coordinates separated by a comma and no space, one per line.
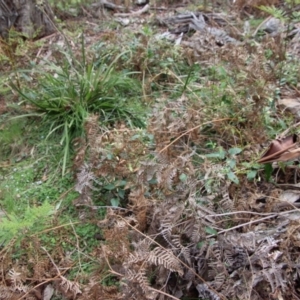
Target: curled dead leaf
(280,150)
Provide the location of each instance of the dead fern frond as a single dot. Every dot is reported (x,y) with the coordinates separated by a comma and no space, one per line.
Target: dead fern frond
(68,287)
(139,204)
(40,268)
(97,291)
(118,243)
(17,280)
(244,240)
(184,252)
(206,293)
(268,266)
(5,293)
(160,256)
(235,257)
(139,277)
(219,280)
(86,180)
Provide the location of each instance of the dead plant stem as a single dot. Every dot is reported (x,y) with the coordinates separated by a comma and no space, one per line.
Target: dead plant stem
(240,212)
(183,263)
(54,264)
(190,130)
(78,248)
(252,222)
(54,228)
(38,285)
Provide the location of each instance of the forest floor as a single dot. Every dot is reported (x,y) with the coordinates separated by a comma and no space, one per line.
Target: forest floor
(151,152)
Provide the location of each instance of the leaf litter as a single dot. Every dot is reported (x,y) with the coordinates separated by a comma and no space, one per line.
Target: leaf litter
(186,229)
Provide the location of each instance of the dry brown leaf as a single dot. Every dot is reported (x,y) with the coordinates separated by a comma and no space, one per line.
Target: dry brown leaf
(277,148)
(290,196)
(290,102)
(290,155)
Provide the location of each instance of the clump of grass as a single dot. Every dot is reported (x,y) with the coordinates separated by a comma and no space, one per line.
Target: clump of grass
(66,94)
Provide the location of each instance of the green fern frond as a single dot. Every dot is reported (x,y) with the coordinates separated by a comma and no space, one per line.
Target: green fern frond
(33,219)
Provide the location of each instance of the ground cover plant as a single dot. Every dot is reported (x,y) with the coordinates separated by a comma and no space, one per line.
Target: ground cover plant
(152,154)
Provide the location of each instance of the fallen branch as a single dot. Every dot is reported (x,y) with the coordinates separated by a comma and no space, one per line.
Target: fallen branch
(133,13)
(108,5)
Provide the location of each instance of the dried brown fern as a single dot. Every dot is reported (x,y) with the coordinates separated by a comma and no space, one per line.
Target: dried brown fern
(104,156)
(5,293)
(41,267)
(95,291)
(185,228)
(139,205)
(69,289)
(161,257)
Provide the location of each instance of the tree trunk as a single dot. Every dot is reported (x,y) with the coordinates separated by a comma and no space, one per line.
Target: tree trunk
(33,18)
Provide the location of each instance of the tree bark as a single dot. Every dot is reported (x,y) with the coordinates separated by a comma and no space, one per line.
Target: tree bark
(33,18)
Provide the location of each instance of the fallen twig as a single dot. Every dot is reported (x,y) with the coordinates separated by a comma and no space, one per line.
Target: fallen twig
(190,130)
(252,222)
